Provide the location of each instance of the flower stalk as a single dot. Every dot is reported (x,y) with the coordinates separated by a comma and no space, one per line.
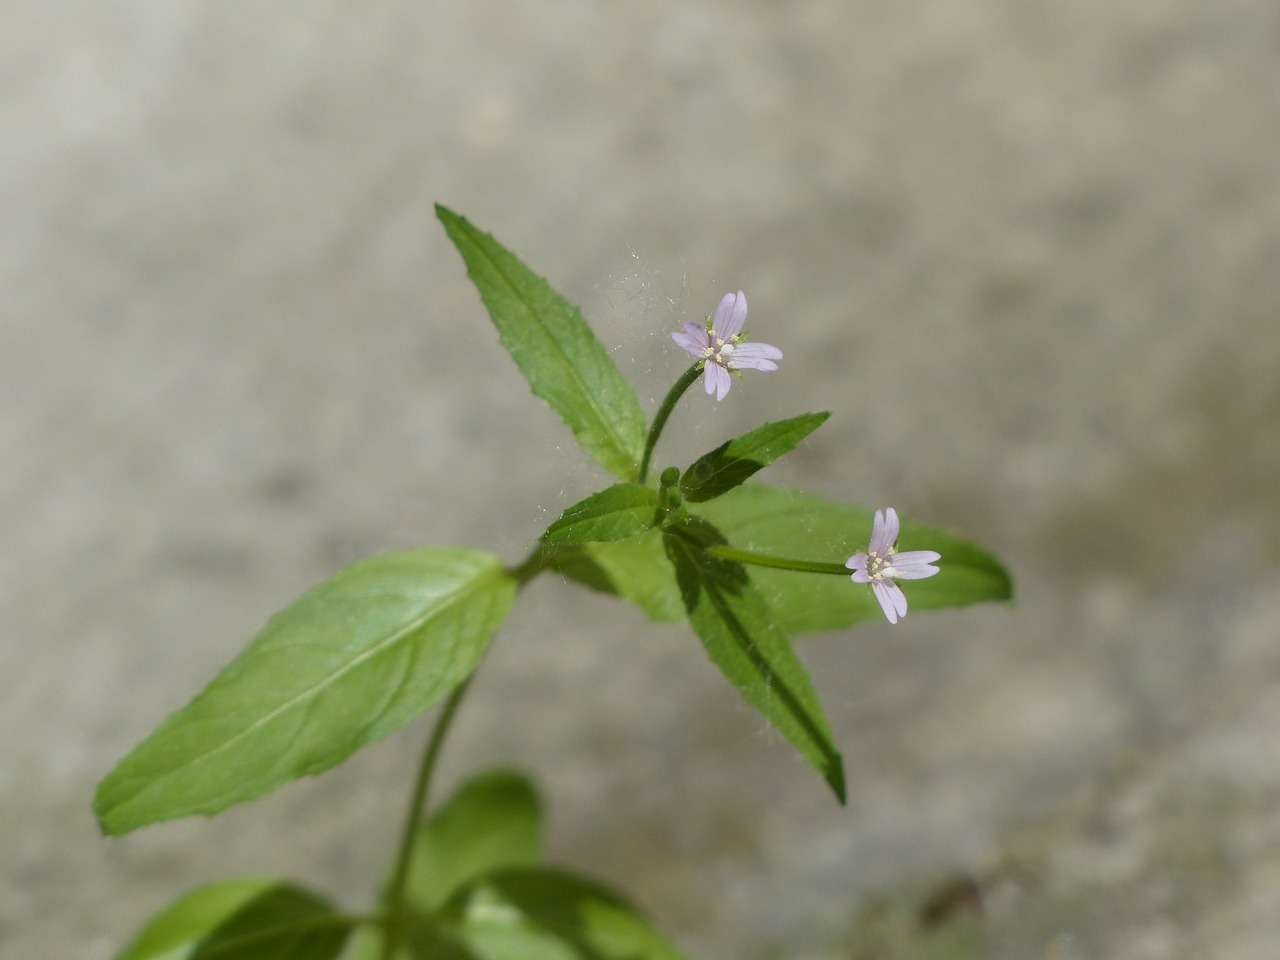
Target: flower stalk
(777,563)
(664,413)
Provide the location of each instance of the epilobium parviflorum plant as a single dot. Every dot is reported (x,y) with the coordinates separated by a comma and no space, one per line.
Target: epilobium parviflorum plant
(748,565)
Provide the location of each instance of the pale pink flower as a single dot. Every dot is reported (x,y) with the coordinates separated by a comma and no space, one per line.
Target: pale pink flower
(882,564)
(719,344)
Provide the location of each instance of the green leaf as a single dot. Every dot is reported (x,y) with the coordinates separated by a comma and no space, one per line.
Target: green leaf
(493,821)
(348,663)
(731,463)
(793,523)
(634,569)
(555,349)
(537,913)
(250,918)
(805,526)
(742,638)
(615,513)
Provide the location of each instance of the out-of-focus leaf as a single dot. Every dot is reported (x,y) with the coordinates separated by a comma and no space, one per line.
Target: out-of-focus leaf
(250,918)
(351,661)
(635,569)
(742,638)
(492,822)
(554,348)
(539,913)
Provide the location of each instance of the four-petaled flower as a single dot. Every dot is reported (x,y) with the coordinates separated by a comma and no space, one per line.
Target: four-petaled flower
(882,564)
(719,344)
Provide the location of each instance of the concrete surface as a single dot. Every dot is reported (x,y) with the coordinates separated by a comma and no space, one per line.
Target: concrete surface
(1026,252)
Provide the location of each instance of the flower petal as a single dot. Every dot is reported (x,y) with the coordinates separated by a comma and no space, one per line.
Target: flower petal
(884,532)
(915,564)
(877,544)
(723,385)
(695,345)
(892,600)
(737,317)
(858,564)
(756,356)
(717,380)
(764,351)
(721,319)
(752,363)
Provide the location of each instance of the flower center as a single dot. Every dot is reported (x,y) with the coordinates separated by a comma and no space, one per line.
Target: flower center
(879,567)
(719,349)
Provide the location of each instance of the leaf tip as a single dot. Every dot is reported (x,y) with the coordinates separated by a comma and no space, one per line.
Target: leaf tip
(835,778)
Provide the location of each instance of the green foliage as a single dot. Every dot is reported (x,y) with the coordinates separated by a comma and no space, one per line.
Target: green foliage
(554,348)
(348,663)
(615,513)
(252,918)
(539,913)
(363,653)
(492,822)
(635,569)
(794,523)
(480,893)
(743,640)
(731,463)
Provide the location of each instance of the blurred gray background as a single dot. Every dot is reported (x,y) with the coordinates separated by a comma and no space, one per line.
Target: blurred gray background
(1027,252)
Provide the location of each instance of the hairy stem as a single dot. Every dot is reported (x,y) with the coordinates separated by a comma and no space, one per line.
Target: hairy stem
(395,895)
(660,418)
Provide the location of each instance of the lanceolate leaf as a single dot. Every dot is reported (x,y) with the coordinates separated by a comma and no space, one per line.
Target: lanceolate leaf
(250,918)
(538,913)
(793,523)
(742,638)
(615,513)
(729,464)
(554,348)
(348,663)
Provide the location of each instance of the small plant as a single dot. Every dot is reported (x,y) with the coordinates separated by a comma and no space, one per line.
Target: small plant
(357,657)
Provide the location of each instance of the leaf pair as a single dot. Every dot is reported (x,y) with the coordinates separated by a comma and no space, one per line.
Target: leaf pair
(629,509)
(477,892)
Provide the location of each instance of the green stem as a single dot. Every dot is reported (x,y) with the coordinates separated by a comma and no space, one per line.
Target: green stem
(664,411)
(541,557)
(778,563)
(395,895)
